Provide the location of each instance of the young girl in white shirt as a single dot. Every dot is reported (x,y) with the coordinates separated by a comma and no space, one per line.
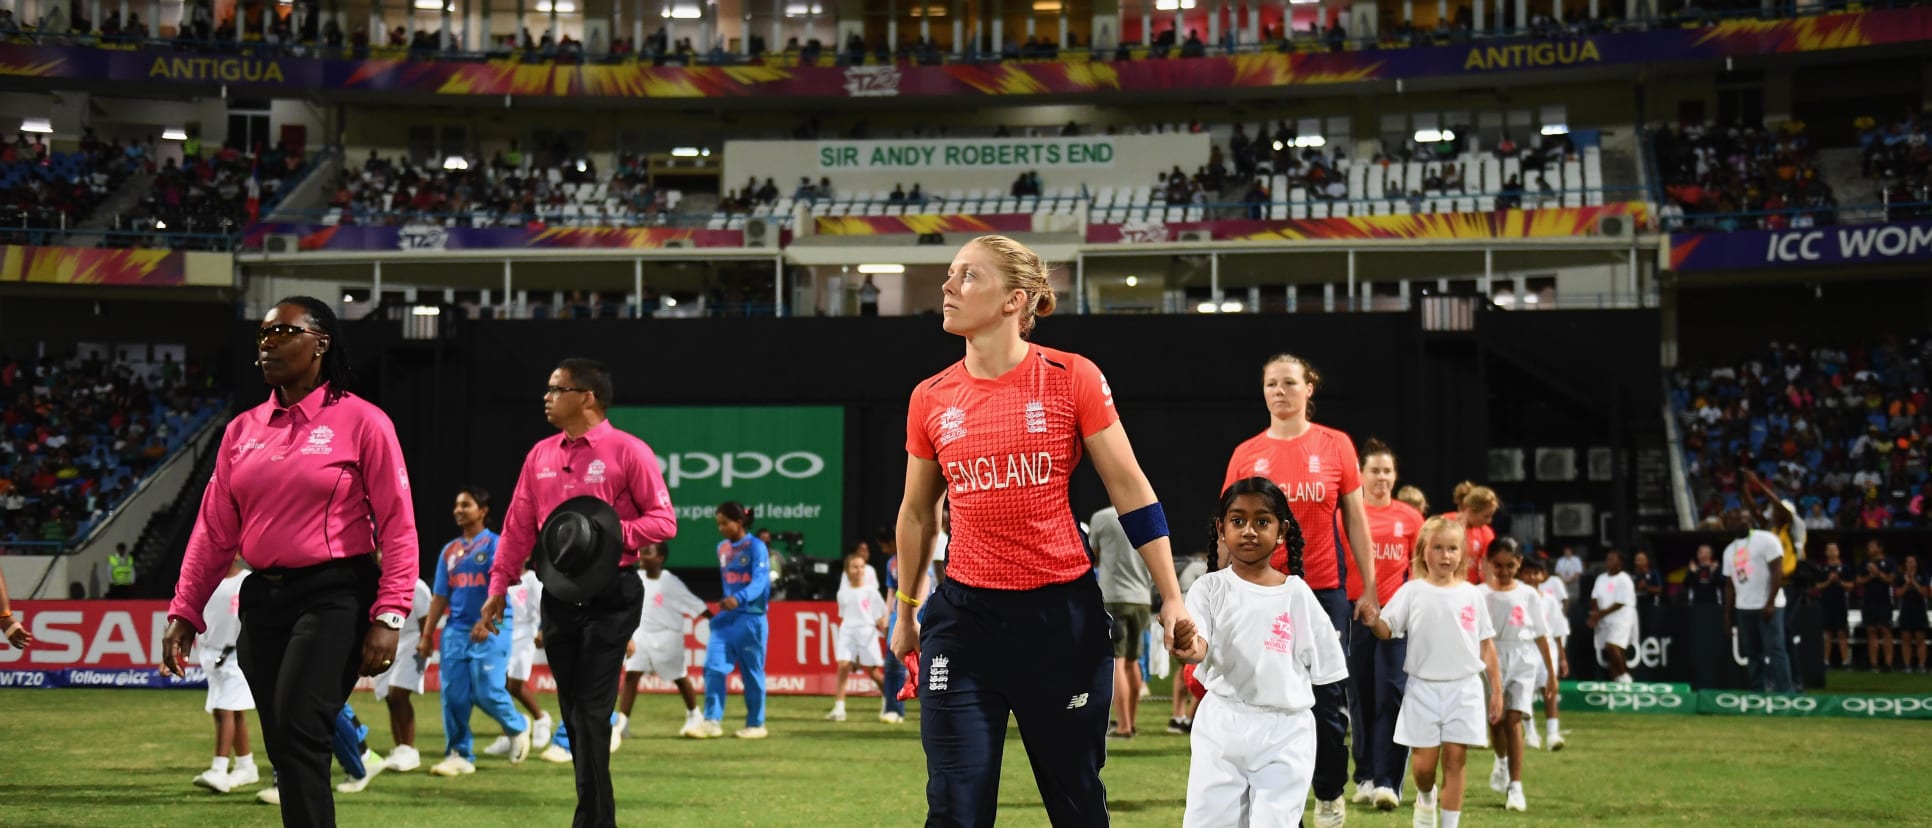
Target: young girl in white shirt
(1555,598)
(862,625)
(1262,643)
(1522,649)
(1451,646)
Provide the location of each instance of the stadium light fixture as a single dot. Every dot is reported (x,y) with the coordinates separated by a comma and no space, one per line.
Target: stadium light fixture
(800,9)
(1431,136)
(1206,307)
(882,269)
(1303,2)
(1531,299)
(1046,5)
(160,225)
(455,163)
(174,134)
(670,301)
(1133,281)
(684,152)
(426,310)
(1173,5)
(1505,300)
(928,11)
(706,152)
(347,298)
(582,165)
(1556,129)
(684,13)
(543,7)
(1230,306)
(41,125)
(1279,145)
(1310,141)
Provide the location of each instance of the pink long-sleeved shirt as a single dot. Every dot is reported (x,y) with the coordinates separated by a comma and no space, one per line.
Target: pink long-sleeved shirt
(301,485)
(611,465)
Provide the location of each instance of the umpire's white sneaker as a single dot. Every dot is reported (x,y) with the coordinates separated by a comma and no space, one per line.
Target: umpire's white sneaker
(1331,814)
(403,759)
(372,764)
(453,765)
(500,747)
(1499,776)
(270,795)
(1364,792)
(520,748)
(243,777)
(213,780)
(1386,799)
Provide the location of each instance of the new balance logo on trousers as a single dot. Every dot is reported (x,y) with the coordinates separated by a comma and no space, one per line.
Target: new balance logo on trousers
(1079,700)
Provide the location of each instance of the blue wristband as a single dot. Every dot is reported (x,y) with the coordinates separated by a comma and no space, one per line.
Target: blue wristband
(1145,524)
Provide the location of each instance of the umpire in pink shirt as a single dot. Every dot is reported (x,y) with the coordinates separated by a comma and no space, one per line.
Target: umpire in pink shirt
(308,486)
(585,641)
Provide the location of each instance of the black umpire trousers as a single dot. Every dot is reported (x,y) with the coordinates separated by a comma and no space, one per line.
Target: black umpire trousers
(300,647)
(585,645)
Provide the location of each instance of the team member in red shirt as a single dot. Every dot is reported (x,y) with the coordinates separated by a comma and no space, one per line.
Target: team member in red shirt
(1317,468)
(307,486)
(1375,666)
(1476,507)
(1018,625)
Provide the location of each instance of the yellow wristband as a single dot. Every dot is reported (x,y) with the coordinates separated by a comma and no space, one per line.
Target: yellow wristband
(906,598)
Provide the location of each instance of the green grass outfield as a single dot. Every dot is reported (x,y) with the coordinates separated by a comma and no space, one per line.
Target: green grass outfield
(125,758)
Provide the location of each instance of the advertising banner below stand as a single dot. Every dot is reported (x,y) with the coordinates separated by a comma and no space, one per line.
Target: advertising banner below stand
(118,644)
(1637,697)
(1690,645)
(1814,705)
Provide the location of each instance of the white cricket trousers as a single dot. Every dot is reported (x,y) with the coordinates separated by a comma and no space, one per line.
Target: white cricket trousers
(1251,765)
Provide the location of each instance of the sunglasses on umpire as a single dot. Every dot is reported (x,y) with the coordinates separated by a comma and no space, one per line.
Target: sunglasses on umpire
(280,334)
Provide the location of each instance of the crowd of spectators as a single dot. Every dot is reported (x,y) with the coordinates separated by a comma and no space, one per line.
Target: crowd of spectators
(41,190)
(1898,159)
(76,435)
(512,189)
(1741,177)
(1842,433)
(211,194)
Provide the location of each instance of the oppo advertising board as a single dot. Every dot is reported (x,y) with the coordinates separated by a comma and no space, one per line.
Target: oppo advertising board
(786,463)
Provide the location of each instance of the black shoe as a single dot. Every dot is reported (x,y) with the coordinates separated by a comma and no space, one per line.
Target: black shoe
(1176,726)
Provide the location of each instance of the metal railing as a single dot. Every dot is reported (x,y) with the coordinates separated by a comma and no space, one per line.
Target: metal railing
(1831,216)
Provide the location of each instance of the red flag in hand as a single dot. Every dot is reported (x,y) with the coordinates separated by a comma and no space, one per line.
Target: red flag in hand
(911,688)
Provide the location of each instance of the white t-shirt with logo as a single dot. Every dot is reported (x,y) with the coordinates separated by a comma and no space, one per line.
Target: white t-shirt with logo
(222,615)
(412,628)
(860,607)
(1517,614)
(1267,646)
(666,603)
(1445,627)
(1748,562)
(1610,590)
(1554,596)
(526,614)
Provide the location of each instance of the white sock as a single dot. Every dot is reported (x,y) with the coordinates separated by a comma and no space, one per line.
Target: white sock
(1427,797)
(838,706)
(1516,787)
(245,761)
(1554,730)
(220,765)
(1449,819)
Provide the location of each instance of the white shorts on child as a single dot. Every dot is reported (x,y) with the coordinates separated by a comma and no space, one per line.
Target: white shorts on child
(406,673)
(523,656)
(1435,713)
(660,652)
(1519,664)
(1621,633)
(227,687)
(1251,765)
(860,644)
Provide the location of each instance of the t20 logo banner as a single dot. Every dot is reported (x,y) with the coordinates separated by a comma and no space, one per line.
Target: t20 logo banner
(786,463)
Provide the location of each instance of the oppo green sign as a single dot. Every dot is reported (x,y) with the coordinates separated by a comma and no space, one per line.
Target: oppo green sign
(787,464)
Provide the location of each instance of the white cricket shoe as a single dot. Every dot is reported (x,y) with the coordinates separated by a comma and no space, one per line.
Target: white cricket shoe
(1332,813)
(520,748)
(1386,799)
(1530,739)
(838,715)
(243,777)
(1515,801)
(540,731)
(213,780)
(1557,742)
(706,729)
(500,747)
(1364,792)
(453,765)
(692,722)
(372,764)
(270,795)
(1499,776)
(752,733)
(403,759)
(555,753)
(892,718)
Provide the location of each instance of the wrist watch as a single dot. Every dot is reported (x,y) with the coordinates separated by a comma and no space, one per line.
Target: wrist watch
(392,620)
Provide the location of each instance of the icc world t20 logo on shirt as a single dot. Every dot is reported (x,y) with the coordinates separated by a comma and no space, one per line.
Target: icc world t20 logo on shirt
(1516,617)
(595,474)
(1282,636)
(1261,467)
(1467,617)
(952,424)
(319,439)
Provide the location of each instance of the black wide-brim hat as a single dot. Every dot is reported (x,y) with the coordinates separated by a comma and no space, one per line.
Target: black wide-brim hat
(578,549)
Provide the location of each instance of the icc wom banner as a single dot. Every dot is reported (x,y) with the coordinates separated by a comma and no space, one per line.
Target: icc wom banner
(786,463)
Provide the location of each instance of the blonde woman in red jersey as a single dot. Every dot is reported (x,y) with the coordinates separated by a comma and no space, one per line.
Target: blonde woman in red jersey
(1375,666)
(1316,467)
(1476,507)
(1018,627)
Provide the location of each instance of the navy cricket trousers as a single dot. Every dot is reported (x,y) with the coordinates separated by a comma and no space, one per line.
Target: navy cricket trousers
(1043,655)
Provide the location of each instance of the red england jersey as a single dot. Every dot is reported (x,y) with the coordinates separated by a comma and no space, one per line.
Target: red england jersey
(1475,547)
(1392,529)
(1007,448)
(1314,471)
